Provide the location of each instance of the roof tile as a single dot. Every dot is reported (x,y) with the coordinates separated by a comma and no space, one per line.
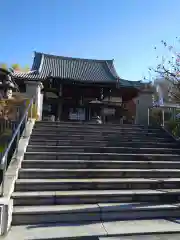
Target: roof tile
(77,69)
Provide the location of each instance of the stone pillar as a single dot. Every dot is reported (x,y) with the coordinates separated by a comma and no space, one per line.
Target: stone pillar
(33,89)
(143,102)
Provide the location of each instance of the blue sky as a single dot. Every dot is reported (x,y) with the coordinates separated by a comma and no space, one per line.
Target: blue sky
(124,30)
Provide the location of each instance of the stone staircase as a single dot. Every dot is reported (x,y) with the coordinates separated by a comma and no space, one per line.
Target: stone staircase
(83,173)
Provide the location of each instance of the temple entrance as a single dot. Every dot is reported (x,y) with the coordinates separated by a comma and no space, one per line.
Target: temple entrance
(73,113)
(77,114)
(50,109)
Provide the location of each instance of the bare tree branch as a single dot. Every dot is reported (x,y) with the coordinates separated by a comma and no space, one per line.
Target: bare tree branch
(169,70)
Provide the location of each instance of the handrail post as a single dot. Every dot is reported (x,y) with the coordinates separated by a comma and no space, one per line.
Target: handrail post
(148,116)
(31,111)
(163,118)
(17,141)
(3,175)
(25,125)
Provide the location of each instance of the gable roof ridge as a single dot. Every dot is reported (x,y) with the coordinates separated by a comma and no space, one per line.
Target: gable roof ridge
(41,63)
(71,58)
(37,60)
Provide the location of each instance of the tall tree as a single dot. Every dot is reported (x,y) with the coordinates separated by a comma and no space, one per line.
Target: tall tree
(3,65)
(26,68)
(16,67)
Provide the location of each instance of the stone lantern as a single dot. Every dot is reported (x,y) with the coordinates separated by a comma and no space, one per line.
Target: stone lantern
(6,84)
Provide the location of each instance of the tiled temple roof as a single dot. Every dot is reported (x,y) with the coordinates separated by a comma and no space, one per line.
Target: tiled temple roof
(77,69)
(27,75)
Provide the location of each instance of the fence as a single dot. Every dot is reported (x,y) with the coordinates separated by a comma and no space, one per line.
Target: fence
(165,116)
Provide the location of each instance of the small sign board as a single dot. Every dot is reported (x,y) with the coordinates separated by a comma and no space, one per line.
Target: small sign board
(78,114)
(109,111)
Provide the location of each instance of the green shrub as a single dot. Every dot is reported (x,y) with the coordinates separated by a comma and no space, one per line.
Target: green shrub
(173,126)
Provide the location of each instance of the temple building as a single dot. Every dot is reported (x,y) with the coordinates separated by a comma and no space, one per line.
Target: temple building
(80,89)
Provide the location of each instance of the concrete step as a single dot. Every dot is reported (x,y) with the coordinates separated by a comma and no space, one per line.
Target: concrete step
(55,214)
(97,126)
(109,127)
(116,140)
(45,184)
(100,156)
(99,149)
(101,164)
(92,212)
(102,138)
(45,142)
(97,173)
(90,124)
(68,131)
(155,229)
(95,196)
(98,134)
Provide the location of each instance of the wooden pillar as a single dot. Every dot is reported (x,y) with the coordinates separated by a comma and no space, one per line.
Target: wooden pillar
(89,113)
(59,110)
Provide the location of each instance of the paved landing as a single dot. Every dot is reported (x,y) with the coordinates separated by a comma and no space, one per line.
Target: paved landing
(104,231)
(144,237)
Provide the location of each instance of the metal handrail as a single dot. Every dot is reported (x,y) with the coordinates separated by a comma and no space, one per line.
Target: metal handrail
(16,135)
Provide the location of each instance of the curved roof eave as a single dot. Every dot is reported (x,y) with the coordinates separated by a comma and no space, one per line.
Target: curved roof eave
(112,69)
(43,67)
